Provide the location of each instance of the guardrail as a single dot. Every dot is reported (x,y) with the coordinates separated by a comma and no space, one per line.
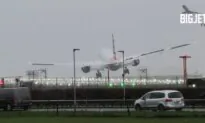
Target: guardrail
(108,102)
(103,107)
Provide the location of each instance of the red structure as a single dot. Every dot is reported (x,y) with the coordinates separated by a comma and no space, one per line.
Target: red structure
(185,66)
(2,83)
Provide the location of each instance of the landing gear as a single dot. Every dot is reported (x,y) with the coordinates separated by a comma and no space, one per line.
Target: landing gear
(98,74)
(126,71)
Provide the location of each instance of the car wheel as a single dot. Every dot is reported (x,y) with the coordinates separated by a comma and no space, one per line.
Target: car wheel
(138,107)
(161,107)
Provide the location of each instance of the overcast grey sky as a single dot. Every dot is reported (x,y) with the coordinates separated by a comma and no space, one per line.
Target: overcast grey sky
(48,30)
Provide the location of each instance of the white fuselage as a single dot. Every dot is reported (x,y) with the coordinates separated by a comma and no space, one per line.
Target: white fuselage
(117,66)
(114,67)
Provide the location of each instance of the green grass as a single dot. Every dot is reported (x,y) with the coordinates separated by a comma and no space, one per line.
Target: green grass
(144,114)
(101,117)
(99,120)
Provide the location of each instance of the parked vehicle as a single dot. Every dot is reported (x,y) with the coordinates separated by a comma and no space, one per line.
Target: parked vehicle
(11,98)
(160,100)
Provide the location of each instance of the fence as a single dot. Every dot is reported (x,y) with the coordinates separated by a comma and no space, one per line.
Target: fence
(111,107)
(109,103)
(173,81)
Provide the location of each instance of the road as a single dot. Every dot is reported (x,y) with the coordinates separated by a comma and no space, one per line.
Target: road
(104,109)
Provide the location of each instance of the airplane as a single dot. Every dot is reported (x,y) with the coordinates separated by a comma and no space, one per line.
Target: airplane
(115,62)
(188,11)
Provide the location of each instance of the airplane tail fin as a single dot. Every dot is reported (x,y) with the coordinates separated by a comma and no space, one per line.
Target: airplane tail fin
(107,54)
(185,8)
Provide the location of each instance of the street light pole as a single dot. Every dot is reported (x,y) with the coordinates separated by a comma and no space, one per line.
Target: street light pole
(74,86)
(123,74)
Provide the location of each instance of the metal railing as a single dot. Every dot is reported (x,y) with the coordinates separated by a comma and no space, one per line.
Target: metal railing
(103,107)
(100,82)
(108,102)
(130,81)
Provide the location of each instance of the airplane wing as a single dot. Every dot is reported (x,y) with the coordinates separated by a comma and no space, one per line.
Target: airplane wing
(135,57)
(188,11)
(66,63)
(96,65)
(195,12)
(191,12)
(100,65)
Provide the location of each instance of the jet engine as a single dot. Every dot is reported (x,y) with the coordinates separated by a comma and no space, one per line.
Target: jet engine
(86,69)
(135,62)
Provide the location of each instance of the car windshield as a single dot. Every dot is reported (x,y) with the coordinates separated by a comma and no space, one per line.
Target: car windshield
(175,95)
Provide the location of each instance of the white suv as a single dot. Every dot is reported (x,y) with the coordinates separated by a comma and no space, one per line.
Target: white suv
(160,100)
